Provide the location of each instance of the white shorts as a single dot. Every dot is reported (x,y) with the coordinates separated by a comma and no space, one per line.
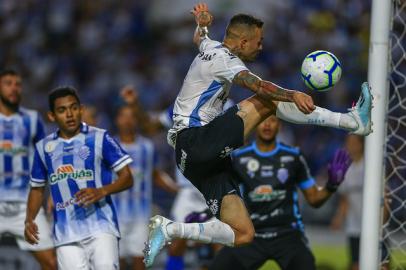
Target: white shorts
(12,217)
(93,253)
(133,237)
(188,200)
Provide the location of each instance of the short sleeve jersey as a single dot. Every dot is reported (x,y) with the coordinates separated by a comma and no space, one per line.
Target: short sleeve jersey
(87,160)
(18,134)
(269,182)
(206,86)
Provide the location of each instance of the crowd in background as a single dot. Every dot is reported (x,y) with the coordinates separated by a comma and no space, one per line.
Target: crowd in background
(100,46)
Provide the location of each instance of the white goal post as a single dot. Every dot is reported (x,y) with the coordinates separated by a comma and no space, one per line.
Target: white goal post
(378,64)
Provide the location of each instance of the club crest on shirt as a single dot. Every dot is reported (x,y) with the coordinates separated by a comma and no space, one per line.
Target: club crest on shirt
(282,175)
(253,165)
(84,152)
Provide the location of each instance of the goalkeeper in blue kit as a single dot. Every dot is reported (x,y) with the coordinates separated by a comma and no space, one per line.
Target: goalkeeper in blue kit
(270,173)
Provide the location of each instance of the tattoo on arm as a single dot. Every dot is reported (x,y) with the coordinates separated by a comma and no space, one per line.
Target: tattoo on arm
(265,89)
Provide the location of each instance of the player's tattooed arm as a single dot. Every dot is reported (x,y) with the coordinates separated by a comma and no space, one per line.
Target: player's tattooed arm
(203,19)
(270,91)
(264,89)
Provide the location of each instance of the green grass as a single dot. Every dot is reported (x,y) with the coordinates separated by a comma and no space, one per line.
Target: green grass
(330,257)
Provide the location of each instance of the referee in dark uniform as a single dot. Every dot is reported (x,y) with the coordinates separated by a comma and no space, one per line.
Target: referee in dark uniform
(270,174)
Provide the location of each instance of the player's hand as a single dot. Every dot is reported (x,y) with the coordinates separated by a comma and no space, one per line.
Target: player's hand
(337,169)
(31,232)
(303,102)
(129,94)
(88,196)
(202,15)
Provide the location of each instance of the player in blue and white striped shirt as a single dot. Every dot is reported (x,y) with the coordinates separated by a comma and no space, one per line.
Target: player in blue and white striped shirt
(77,162)
(134,205)
(20,129)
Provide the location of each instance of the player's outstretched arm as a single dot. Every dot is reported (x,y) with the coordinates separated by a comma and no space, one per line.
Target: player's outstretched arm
(87,196)
(270,91)
(316,196)
(35,199)
(203,19)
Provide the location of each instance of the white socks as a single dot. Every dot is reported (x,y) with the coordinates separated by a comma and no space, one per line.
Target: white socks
(321,117)
(208,232)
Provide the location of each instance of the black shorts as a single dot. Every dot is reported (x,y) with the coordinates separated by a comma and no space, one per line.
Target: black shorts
(290,252)
(203,156)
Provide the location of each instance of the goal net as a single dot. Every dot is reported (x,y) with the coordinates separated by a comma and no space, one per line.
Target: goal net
(394,225)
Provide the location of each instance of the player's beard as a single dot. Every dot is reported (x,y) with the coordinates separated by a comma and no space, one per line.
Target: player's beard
(11,105)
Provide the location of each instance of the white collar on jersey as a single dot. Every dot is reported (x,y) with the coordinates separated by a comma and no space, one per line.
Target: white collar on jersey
(84,128)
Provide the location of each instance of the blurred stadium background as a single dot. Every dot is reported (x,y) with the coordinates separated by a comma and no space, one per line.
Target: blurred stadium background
(100,46)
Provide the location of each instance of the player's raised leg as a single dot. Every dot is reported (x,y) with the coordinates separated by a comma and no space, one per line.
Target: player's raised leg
(357,120)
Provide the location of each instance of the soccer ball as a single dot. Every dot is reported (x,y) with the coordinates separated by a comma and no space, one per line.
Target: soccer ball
(321,70)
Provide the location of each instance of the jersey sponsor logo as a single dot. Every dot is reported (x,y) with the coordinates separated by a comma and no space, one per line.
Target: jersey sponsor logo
(282,175)
(63,205)
(67,171)
(205,56)
(266,193)
(7,147)
(286,159)
(267,171)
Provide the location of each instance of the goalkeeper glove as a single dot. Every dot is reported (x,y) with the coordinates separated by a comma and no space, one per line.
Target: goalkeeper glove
(337,169)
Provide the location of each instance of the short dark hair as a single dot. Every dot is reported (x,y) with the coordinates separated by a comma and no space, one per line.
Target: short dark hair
(61,91)
(244,19)
(6,72)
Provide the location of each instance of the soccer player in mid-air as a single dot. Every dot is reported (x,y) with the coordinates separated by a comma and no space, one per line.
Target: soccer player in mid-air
(77,163)
(134,205)
(270,173)
(188,200)
(203,137)
(20,129)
